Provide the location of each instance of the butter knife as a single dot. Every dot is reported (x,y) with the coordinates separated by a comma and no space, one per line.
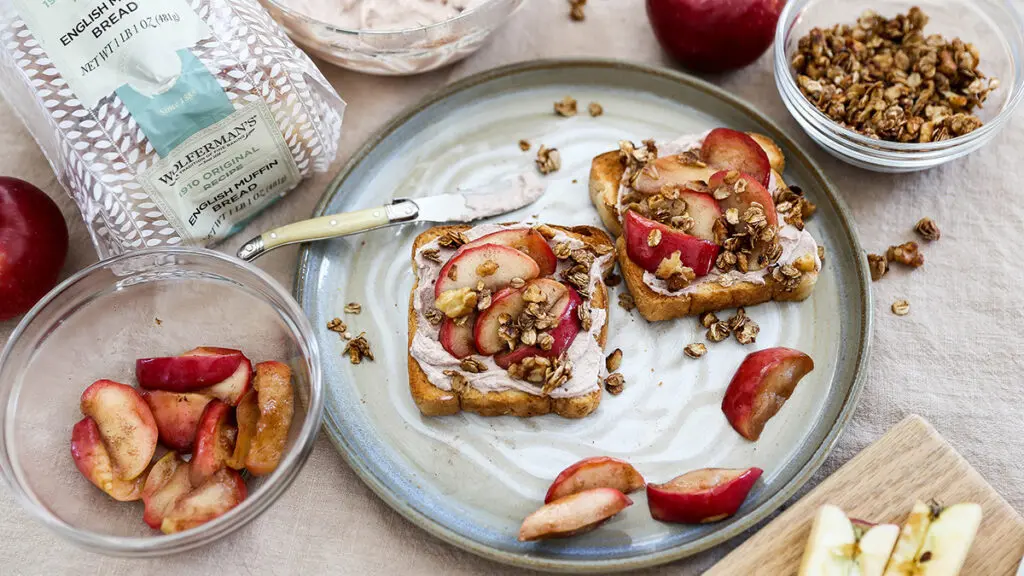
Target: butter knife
(491,200)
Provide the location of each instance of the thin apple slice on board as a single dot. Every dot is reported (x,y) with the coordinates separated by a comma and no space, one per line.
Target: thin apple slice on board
(125,423)
(232,388)
(527,241)
(186,373)
(874,545)
(727,149)
(701,496)
(275,398)
(943,546)
(649,242)
(839,546)
(596,472)
(93,461)
(493,264)
(167,482)
(760,387)
(215,442)
(177,416)
(215,497)
(574,514)
(915,528)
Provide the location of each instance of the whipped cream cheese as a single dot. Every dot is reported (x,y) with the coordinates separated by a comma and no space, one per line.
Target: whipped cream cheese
(382,14)
(795,243)
(585,352)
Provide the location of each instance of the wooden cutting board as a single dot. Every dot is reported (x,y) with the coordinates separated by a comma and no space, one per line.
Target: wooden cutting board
(912,461)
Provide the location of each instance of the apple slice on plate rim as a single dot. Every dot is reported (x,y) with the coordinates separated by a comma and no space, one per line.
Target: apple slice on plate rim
(467,136)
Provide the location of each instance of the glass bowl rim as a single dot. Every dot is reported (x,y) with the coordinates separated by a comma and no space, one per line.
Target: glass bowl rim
(275,485)
(361,32)
(866,145)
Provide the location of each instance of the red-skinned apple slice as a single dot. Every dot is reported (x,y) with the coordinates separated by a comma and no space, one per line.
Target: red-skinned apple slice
(493,264)
(215,442)
(232,388)
(753,192)
(93,461)
(485,329)
(704,210)
(564,333)
(186,373)
(168,480)
(275,398)
(458,340)
(177,416)
(527,241)
(125,423)
(247,415)
(215,497)
(727,149)
(700,496)
(597,472)
(761,385)
(575,514)
(671,171)
(694,252)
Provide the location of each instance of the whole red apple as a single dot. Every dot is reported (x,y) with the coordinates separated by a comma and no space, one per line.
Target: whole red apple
(33,245)
(714,35)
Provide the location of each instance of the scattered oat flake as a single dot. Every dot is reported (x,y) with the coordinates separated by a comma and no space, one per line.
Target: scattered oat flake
(901,307)
(158,321)
(595,109)
(548,159)
(524,145)
(337,325)
(566,107)
(928,229)
(353,308)
(695,350)
(614,360)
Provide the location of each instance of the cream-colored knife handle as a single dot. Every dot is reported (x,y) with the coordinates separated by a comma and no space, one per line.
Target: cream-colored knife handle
(331,226)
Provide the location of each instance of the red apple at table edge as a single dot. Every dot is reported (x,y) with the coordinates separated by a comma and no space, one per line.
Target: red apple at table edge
(701,496)
(727,149)
(761,385)
(186,373)
(457,339)
(564,333)
(714,35)
(494,264)
(33,246)
(574,514)
(694,252)
(527,241)
(596,472)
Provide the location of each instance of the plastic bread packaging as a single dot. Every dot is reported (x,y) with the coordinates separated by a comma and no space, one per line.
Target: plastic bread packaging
(170,122)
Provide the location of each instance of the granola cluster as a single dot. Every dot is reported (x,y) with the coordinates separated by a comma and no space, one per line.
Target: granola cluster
(885,78)
(907,254)
(743,327)
(356,348)
(748,240)
(549,373)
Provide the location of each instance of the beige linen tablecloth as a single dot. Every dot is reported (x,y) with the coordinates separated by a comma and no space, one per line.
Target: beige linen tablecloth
(955,359)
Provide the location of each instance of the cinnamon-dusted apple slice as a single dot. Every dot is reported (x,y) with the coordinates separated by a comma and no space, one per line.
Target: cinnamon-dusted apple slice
(125,424)
(649,242)
(177,416)
(186,373)
(761,385)
(215,497)
(215,442)
(232,388)
(935,541)
(456,336)
(574,514)
(727,149)
(704,210)
(247,415)
(527,241)
(275,398)
(93,461)
(167,481)
(671,172)
(700,496)
(743,192)
(495,265)
(566,309)
(596,472)
(839,546)
(510,301)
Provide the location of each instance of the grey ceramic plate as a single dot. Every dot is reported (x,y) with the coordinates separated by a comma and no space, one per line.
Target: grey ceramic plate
(470,480)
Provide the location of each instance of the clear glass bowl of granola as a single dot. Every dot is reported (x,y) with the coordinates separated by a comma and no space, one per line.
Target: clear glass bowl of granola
(930,128)
(395,51)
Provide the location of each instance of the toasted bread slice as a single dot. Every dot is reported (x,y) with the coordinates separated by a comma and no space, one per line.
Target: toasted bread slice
(434,401)
(606,171)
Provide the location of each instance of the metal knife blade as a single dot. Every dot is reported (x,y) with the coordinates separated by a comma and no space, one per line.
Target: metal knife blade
(483,202)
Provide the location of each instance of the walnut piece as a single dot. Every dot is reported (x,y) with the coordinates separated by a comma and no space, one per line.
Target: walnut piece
(566,106)
(907,254)
(928,229)
(486,268)
(472,365)
(336,325)
(358,348)
(614,360)
(595,109)
(626,301)
(457,302)
(548,159)
(695,350)
(615,383)
(669,266)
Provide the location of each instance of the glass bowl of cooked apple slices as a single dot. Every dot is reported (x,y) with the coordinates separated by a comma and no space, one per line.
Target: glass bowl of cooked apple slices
(158,400)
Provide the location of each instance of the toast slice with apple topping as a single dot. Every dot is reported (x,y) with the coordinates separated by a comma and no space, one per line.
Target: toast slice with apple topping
(708,226)
(509,319)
